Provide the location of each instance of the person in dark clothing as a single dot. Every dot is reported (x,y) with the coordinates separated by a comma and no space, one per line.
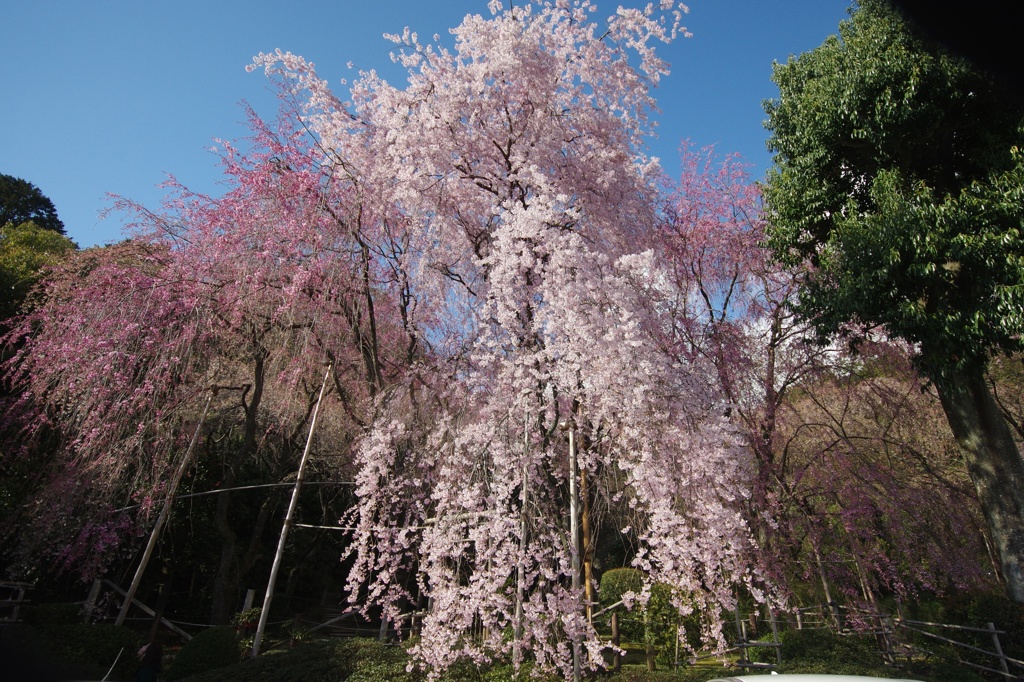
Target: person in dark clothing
(149,663)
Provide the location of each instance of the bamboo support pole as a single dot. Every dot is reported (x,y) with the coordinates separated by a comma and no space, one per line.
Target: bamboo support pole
(574,541)
(588,549)
(999,649)
(258,638)
(145,609)
(521,564)
(164,512)
(775,633)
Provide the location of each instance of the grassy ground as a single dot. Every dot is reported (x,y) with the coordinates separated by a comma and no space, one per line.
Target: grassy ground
(356,660)
(71,651)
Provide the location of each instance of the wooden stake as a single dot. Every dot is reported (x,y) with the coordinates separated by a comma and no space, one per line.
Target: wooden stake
(574,541)
(588,549)
(617,664)
(521,565)
(155,535)
(287,521)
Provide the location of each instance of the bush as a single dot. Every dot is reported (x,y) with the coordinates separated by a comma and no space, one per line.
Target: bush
(615,583)
(654,625)
(73,651)
(375,662)
(821,651)
(354,660)
(46,615)
(324,660)
(209,650)
(821,645)
(687,674)
(97,645)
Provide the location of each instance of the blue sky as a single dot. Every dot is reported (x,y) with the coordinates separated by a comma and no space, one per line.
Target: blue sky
(110,96)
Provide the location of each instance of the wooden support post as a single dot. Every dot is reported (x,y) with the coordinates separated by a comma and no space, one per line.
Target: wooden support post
(999,650)
(521,563)
(617,664)
(574,542)
(258,638)
(741,635)
(250,594)
(145,609)
(649,651)
(90,602)
(588,549)
(775,634)
(675,663)
(163,596)
(164,512)
(833,609)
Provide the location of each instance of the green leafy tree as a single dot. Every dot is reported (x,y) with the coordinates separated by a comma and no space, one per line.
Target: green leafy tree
(899,185)
(25,250)
(21,201)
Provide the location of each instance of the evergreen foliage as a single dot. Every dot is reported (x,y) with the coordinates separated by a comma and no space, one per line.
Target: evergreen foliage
(209,650)
(21,201)
(898,186)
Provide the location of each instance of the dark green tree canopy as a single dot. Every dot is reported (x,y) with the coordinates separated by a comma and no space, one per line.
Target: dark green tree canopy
(21,201)
(898,187)
(897,179)
(26,250)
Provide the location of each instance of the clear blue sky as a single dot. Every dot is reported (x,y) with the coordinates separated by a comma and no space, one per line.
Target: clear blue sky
(110,96)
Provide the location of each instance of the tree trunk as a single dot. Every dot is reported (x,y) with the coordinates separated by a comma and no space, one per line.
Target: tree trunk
(225,584)
(994,464)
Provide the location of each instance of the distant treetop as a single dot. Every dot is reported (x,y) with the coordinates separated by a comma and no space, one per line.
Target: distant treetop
(21,201)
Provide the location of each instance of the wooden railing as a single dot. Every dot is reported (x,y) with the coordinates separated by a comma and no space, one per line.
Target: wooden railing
(893,634)
(1008,667)
(12,597)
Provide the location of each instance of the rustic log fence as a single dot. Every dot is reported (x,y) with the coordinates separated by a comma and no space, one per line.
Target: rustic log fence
(12,597)
(1011,668)
(894,634)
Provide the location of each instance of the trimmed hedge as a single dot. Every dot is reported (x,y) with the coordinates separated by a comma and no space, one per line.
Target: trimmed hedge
(821,651)
(209,650)
(656,623)
(71,651)
(365,660)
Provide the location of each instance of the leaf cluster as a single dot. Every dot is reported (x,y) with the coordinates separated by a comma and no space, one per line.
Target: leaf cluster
(897,183)
(26,250)
(21,201)
(209,650)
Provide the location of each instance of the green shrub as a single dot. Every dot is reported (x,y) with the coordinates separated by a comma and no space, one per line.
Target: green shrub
(209,650)
(46,615)
(839,667)
(657,623)
(322,660)
(615,583)
(375,662)
(76,650)
(687,674)
(97,645)
(942,672)
(316,662)
(824,646)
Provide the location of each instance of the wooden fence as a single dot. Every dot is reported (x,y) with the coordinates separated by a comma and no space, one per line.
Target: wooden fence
(1008,667)
(12,597)
(897,637)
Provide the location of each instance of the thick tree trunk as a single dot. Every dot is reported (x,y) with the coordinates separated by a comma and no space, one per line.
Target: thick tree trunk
(994,464)
(225,584)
